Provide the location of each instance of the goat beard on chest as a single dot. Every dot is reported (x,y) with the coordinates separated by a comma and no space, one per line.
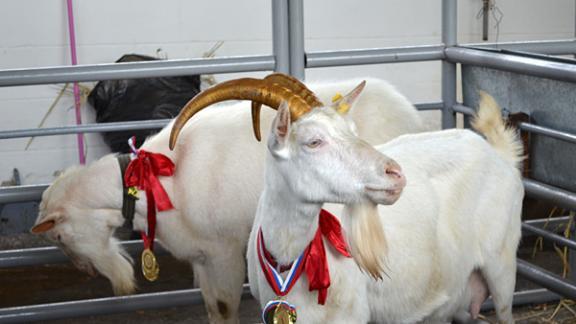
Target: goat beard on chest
(367,241)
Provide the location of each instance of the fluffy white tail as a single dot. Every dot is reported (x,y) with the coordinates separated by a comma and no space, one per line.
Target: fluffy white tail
(488,121)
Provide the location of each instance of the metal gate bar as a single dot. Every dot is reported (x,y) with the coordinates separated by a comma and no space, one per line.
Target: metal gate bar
(375,56)
(546,279)
(52,254)
(124,126)
(549,222)
(552,47)
(524,65)
(21,193)
(134,70)
(533,296)
(109,305)
(564,136)
(549,235)
(560,197)
(86,128)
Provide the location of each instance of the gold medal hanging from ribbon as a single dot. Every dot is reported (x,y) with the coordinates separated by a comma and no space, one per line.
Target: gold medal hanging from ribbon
(142,174)
(279,312)
(150,267)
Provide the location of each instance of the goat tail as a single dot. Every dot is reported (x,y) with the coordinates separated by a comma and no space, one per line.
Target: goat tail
(488,121)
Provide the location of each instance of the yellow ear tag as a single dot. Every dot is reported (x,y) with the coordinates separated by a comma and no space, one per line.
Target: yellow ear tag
(132,191)
(343,107)
(337,97)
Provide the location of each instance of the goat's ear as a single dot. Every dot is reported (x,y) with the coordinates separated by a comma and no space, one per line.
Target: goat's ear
(282,121)
(47,224)
(277,143)
(342,104)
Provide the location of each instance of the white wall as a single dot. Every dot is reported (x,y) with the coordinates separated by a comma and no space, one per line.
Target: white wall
(34,34)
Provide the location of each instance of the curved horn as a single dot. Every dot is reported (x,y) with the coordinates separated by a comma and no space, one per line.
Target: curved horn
(241,89)
(291,83)
(295,86)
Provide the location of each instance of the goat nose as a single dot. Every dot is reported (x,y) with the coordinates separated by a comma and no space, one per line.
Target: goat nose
(393,170)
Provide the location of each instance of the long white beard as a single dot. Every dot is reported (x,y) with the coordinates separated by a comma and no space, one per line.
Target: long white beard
(366,237)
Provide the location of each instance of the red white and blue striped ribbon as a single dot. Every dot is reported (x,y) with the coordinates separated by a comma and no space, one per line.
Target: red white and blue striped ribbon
(132,144)
(280,286)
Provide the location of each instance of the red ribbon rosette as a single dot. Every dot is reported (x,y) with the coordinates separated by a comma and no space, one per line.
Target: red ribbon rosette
(143,173)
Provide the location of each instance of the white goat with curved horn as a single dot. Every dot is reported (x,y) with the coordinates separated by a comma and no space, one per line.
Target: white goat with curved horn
(214,190)
(446,233)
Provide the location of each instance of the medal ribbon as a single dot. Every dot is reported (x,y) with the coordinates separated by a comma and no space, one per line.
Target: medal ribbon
(313,259)
(280,286)
(143,172)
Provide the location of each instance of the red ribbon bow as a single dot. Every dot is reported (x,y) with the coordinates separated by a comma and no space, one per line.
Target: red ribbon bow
(315,261)
(143,172)
(316,265)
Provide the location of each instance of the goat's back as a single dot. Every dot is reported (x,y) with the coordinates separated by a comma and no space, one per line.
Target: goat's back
(460,208)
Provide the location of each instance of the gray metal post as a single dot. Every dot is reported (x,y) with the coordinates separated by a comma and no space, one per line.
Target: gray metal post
(280,35)
(572,254)
(449,38)
(296,24)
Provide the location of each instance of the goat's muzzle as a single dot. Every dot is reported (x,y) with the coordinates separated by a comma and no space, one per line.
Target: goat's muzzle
(390,186)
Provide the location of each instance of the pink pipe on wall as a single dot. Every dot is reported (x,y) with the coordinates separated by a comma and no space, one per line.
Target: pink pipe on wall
(77,103)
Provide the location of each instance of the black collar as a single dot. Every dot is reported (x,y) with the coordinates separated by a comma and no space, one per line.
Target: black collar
(128,201)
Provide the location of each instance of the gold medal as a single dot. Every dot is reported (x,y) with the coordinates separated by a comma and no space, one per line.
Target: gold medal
(150,267)
(281,313)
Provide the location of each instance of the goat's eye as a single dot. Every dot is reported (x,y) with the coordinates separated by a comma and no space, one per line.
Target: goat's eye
(314,143)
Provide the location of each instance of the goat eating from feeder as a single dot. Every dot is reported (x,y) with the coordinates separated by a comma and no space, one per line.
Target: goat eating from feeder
(214,189)
(446,233)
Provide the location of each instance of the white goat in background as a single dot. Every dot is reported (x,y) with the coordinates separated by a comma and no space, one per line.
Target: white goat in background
(456,220)
(215,189)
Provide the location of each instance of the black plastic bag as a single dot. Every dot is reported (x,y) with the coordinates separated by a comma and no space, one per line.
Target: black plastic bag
(139,99)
